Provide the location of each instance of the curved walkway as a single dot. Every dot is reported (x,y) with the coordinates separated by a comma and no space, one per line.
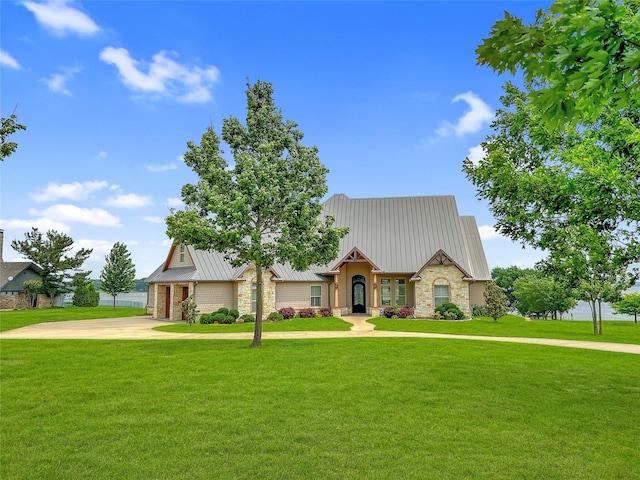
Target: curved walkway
(141,328)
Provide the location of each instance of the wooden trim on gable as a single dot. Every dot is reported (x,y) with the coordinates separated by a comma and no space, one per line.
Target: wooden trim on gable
(439,258)
(355,255)
(169,257)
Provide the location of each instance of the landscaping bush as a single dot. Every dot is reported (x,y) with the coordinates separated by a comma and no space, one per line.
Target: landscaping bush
(389,312)
(307,313)
(449,311)
(86,296)
(479,311)
(206,319)
(234,313)
(248,318)
(326,312)
(405,312)
(219,317)
(223,310)
(275,317)
(287,313)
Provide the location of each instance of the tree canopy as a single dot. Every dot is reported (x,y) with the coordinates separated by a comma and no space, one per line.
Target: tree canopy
(51,253)
(628,305)
(266,206)
(118,275)
(576,58)
(9,127)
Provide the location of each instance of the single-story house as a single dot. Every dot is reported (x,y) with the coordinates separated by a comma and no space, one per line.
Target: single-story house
(405,251)
(12,277)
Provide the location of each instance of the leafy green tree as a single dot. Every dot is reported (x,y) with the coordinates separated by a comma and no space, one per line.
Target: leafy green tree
(505,278)
(118,275)
(266,206)
(542,295)
(86,296)
(577,57)
(629,305)
(9,127)
(52,255)
(573,192)
(32,288)
(496,301)
(190,310)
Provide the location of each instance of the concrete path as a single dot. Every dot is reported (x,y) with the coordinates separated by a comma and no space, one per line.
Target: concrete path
(141,328)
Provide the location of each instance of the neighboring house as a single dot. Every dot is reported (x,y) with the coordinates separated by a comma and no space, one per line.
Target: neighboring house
(406,251)
(12,276)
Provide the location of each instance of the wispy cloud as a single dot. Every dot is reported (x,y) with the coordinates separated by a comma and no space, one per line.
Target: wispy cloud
(174,202)
(161,168)
(61,18)
(71,191)
(43,224)
(476,154)
(57,82)
(73,214)
(102,155)
(164,76)
(152,219)
(129,200)
(472,121)
(487,232)
(8,61)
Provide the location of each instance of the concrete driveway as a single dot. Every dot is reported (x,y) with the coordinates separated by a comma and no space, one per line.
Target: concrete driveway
(141,328)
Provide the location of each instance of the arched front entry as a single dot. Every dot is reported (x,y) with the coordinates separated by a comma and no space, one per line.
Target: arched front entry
(358,294)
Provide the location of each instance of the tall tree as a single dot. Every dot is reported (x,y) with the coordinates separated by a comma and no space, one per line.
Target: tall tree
(573,192)
(577,57)
(9,127)
(505,278)
(52,255)
(496,301)
(628,305)
(118,275)
(266,207)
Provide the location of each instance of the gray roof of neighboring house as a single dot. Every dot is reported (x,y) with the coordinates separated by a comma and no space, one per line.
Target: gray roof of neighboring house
(13,269)
(398,235)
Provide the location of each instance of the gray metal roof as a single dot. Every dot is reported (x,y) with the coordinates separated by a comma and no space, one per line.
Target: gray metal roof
(400,234)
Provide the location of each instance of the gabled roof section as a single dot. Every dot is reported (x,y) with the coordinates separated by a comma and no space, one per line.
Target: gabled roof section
(442,258)
(355,255)
(478,261)
(13,269)
(400,234)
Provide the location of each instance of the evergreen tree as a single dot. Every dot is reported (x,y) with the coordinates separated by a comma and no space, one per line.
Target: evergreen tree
(118,275)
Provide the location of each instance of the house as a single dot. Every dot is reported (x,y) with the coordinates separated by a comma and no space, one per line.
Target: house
(12,277)
(404,251)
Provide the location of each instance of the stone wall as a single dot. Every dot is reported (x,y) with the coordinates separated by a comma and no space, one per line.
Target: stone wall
(13,302)
(268,292)
(440,275)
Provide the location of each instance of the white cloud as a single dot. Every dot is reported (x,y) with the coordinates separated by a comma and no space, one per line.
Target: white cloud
(174,202)
(129,200)
(470,122)
(100,247)
(164,76)
(102,155)
(57,82)
(8,61)
(152,219)
(60,18)
(43,224)
(487,232)
(71,213)
(71,191)
(161,168)
(476,154)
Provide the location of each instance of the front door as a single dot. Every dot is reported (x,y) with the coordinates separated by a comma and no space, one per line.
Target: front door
(167,302)
(358,294)
(185,294)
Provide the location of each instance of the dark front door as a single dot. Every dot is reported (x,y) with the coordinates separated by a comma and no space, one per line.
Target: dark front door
(167,302)
(358,294)
(185,294)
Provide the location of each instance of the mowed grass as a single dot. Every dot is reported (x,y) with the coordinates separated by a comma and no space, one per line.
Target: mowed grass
(514,326)
(374,408)
(293,325)
(10,319)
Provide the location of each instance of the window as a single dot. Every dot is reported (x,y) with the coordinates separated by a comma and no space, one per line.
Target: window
(441,294)
(385,292)
(316,296)
(254,297)
(181,253)
(401,292)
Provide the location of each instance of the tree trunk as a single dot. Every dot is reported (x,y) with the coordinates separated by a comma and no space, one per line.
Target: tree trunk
(114,301)
(594,317)
(599,317)
(257,331)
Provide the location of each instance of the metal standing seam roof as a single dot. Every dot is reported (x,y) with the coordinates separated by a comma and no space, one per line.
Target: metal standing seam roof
(398,234)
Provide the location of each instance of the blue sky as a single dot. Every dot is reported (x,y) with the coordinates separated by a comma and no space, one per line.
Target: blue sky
(111,91)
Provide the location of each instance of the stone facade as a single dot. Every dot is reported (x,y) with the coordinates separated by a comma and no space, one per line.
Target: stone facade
(268,292)
(433,275)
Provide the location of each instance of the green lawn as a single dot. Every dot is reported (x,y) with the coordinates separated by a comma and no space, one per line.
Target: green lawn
(514,326)
(316,409)
(10,319)
(293,325)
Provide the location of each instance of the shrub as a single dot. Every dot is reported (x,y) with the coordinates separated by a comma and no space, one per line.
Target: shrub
(307,313)
(86,296)
(275,317)
(248,318)
(218,317)
(229,319)
(389,312)
(234,313)
(455,312)
(206,319)
(287,313)
(405,312)
(326,312)
(479,311)
(223,310)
